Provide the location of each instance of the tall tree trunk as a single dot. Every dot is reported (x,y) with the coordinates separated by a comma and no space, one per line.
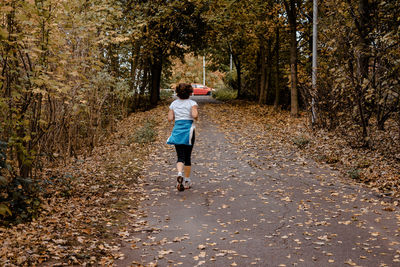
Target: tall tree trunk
(277,89)
(269,74)
(9,70)
(263,74)
(134,66)
(363,27)
(363,62)
(238,66)
(239,80)
(294,101)
(266,72)
(114,63)
(258,72)
(156,70)
(145,80)
(292,16)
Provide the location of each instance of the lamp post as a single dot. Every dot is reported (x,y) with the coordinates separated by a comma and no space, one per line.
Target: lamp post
(204,70)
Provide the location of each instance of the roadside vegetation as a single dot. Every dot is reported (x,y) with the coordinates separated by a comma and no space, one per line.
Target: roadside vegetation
(87,204)
(225,94)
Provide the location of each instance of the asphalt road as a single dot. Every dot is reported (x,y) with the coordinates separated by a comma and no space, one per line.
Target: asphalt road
(287,211)
(203,99)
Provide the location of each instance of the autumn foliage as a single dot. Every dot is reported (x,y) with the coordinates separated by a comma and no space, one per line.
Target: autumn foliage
(70,70)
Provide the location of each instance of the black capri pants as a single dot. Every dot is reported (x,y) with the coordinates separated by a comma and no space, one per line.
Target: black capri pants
(184,152)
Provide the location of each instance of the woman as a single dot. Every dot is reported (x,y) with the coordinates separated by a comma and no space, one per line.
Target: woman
(183,110)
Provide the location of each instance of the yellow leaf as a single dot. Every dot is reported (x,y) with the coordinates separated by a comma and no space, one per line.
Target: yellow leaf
(4,210)
(350,262)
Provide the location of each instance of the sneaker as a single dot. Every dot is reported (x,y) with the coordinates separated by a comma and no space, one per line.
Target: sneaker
(179,185)
(187,183)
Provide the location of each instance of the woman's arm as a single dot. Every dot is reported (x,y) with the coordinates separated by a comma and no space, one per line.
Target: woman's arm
(171,115)
(195,112)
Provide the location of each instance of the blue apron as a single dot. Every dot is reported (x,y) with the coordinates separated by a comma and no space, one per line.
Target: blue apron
(182,133)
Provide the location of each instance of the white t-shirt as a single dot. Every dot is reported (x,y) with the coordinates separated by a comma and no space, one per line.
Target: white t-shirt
(182,109)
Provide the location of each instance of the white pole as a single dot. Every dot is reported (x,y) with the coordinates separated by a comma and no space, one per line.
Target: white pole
(204,70)
(314,60)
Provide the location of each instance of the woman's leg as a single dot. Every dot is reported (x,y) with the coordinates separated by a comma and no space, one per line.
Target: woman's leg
(187,170)
(188,162)
(180,151)
(188,167)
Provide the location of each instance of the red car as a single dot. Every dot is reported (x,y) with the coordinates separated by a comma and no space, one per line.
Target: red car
(199,89)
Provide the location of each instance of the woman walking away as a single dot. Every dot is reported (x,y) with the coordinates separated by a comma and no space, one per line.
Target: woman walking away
(183,110)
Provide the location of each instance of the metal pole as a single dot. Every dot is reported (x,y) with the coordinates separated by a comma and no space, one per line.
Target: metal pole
(204,70)
(314,60)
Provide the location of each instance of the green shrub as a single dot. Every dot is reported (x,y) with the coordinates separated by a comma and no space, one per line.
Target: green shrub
(354,174)
(4,206)
(301,141)
(166,94)
(145,134)
(230,80)
(224,94)
(19,200)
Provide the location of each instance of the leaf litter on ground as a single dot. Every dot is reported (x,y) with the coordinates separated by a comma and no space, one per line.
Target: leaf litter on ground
(378,168)
(79,228)
(107,186)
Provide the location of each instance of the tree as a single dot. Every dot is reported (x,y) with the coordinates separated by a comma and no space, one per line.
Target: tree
(291,11)
(357,79)
(232,33)
(60,86)
(166,30)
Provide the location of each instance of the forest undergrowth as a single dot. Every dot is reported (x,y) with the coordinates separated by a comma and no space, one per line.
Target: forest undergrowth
(85,203)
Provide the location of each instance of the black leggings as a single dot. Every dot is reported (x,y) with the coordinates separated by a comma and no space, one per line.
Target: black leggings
(184,152)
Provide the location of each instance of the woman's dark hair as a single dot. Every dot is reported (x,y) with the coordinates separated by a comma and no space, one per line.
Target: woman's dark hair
(183,90)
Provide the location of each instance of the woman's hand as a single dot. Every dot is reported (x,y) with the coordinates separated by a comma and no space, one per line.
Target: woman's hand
(171,115)
(195,112)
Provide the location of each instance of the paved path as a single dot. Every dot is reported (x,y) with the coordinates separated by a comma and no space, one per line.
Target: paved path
(280,210)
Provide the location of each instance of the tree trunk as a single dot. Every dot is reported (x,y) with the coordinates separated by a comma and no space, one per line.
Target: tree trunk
(266,73)
(239,80)
(292,16)
(258,78)
(277,89)
(364,9)
(363,63)
(134,66)
(269,74)
(263,75)
(363,56)
(156,69)
(294,102)
(238,66)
